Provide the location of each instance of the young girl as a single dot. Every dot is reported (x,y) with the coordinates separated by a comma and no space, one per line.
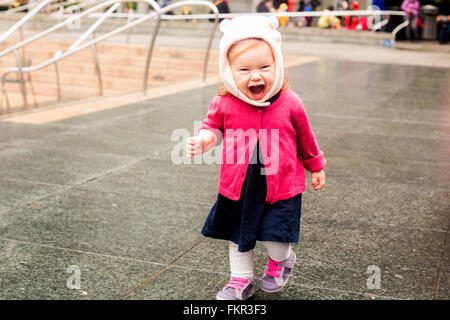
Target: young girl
(268,142)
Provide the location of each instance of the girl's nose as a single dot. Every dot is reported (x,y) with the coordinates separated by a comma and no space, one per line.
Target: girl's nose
(255,75)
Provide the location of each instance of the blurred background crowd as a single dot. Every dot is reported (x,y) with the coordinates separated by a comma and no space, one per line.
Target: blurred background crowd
(435,13)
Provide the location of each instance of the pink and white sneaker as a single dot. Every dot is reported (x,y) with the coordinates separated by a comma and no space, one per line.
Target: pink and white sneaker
(277,274)
(237,289)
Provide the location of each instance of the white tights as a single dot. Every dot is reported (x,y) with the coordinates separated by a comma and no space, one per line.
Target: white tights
(241,263)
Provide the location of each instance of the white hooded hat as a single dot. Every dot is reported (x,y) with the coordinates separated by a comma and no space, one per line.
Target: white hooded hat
(244,27)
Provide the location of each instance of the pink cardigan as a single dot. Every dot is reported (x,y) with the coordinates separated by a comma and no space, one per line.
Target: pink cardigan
(287,144)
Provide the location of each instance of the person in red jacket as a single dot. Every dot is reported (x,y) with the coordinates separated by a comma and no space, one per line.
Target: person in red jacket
(267,145)
(291,5)
(355,22)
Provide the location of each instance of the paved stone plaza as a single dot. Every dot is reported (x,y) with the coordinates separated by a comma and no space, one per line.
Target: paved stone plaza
(99,193)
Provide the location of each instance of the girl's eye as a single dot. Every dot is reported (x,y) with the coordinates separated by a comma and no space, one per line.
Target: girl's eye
(265,67)
(243,69)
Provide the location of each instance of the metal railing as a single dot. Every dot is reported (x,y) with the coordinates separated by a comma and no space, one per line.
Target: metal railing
(36,3)
(78,46)
(32,11)
(18,9)
(371,13)
(20,59)
(36,8)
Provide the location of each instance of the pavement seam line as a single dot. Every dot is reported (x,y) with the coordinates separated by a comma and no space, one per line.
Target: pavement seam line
(79,251)
(441,266)
(161,270)
(206,204)
(31,182)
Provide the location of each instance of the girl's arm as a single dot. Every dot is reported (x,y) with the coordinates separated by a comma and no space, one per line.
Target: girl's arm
(210,132)
(308,149)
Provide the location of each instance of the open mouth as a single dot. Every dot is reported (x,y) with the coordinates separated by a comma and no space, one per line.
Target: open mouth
(257,91)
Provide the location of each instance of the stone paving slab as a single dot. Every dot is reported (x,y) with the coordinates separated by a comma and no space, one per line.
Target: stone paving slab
(101,191)
(371,200)
(17,192)
(34,272)
(398,150)
(108,223)
(50,165)
(349,167)
(163,180)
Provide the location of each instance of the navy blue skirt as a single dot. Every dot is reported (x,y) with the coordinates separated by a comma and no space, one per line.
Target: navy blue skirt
(251,218)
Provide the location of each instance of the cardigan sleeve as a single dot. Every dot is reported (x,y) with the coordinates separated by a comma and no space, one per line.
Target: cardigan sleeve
(214,120)
(308,150)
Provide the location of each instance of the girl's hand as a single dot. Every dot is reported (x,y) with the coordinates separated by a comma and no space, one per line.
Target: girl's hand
(318,180)
(194,146)
(201,143)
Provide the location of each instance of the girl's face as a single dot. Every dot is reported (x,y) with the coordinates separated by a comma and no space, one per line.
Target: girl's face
(253,67)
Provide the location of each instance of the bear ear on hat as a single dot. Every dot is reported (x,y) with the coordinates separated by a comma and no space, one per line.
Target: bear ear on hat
(273,22)
(224,25)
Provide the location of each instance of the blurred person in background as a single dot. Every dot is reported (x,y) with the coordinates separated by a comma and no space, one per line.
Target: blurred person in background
(310,5)
(340,5)
(355,22)
(291,5)
(443,22)
(265,6)
(277,3)
(291,8)
(379,3)
(328,21)
(283,20)
(222,6)
(299,21)
(411,7)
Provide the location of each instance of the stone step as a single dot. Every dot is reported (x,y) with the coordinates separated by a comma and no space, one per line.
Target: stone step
(16,101)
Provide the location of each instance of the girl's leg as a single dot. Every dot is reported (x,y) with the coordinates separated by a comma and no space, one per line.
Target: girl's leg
(281,262)
(242,284)
(278,251)
(241,263)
